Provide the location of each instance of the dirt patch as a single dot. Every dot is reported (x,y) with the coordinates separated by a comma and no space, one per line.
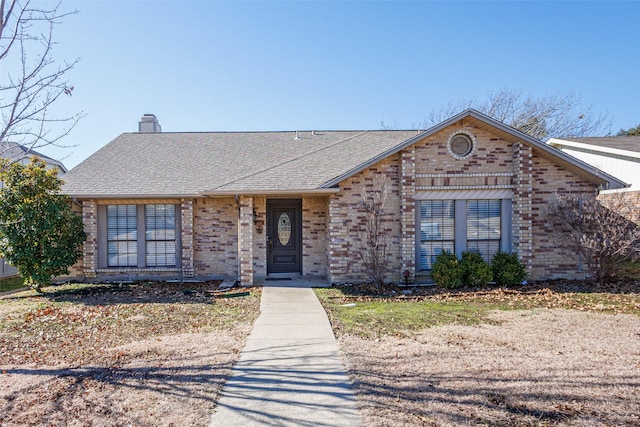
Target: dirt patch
(528,368)
(137,356)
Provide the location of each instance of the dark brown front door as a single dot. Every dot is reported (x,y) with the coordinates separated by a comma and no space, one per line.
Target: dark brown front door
(284,236)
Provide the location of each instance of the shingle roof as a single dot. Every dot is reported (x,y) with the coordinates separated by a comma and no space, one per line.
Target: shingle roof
(199,163)
(157,164)
(628,143)
(16,152)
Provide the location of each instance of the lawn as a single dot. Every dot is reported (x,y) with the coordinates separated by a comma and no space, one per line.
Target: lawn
(141,354)
(542,355)
(11,284)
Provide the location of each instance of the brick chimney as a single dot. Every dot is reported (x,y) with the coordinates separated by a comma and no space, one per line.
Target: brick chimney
(149,123)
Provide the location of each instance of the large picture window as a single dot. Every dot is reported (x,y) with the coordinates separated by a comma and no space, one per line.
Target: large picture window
(139,235)
(480,225)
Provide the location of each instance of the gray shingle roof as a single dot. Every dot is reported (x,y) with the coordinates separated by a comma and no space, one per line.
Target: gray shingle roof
(628,143)
(16,152)
(164,164)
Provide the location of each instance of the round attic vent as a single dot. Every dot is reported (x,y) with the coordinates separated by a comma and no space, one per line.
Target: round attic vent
(461,144)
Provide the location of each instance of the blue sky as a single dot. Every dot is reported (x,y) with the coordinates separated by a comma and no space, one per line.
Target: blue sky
(231,66)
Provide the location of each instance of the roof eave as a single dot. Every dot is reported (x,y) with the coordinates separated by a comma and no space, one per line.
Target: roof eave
(293,192)
(131,196)
(228,193)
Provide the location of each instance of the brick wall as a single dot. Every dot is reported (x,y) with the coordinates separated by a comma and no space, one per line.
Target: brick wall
(522,204)
(347,223)
(186,237)
(245,240)
(314,236)
(626,202)
(260,239)
(90,247)
(550,260)
(215,237)
(408,214)
(435,167)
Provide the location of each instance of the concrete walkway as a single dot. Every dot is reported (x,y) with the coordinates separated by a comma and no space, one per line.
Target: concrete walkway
(289,372)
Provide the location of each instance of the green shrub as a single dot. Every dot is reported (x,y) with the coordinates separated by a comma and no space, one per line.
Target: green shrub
(446,271)
(507,269)
(475,270)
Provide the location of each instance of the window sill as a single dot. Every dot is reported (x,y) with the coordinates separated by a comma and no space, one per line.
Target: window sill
(138,270)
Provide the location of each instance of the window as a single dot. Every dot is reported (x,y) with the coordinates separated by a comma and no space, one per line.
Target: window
(461,144)
(122,236)
(436,230)
(481,225)
(160,233)
(138,235)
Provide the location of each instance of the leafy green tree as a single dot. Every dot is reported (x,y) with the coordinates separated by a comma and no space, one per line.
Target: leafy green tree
(39,233)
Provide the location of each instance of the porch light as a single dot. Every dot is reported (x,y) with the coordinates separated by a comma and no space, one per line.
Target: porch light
(259,227)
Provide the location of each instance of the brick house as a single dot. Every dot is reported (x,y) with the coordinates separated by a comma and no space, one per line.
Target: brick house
(249,205)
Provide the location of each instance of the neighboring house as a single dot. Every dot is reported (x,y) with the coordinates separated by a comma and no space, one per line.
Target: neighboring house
(19,153)
(617,155)
(249,205)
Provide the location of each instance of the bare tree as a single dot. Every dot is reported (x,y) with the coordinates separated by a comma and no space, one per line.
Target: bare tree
(31,81)
(374,242)
(604,235)
(541,117)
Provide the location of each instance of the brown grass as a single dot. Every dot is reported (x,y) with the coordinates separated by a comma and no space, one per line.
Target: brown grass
(537,367)
(136,355)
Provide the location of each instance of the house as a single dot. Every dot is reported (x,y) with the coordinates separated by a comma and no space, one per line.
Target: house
(250,205)
(21,154)
(618,155)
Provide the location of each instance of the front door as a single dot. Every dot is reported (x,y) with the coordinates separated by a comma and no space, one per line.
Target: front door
(284,236)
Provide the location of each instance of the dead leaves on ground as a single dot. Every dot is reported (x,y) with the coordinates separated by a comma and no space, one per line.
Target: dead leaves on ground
(80,327)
